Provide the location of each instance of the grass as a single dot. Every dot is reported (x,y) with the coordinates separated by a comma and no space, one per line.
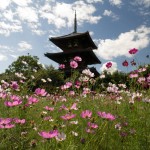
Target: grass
(133,119)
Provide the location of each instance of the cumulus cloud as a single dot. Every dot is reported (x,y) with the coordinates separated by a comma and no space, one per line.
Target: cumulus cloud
(24,46)
(62,14)
(109,13)
(4,4)
(110,70)
(116,2)
(7,28)
(28,14)
(22,2)
(112,48)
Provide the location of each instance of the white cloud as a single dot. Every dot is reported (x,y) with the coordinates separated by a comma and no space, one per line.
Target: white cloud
(145,3)
(22,2)
(28,14)
(7,28)
(94,1)
(24,46)
(38,32)
(4,4)
(109,13)
(112,69)
(3,57)
(112,48)
(116,2)
(62,14)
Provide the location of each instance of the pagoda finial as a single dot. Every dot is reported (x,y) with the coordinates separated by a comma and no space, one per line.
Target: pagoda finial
(75,23)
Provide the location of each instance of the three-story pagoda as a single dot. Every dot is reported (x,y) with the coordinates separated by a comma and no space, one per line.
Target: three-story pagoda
(75,44)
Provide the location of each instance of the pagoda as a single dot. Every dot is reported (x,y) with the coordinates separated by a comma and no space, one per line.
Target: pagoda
(75,44)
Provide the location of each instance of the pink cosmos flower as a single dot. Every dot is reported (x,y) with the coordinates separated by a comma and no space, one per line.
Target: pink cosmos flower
(106,115)
(7,126)
(86,114)
(92,125)
(48,135)
(73,64)
(11,104)
(71,93)
(133,51)
(3,95)
(15,98)
(125,63)
(32,100)
(49,108)
(109,64)
(62,66)
(74,106)
(19,121)
(133,75)
(40,92)
(68,116)
(14,85)
(6,123)
(77,58)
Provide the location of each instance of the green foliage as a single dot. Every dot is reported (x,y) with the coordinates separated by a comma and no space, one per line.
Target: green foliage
(24,64)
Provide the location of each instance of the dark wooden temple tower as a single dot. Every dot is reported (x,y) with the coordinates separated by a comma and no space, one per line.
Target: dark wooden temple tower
(75,44)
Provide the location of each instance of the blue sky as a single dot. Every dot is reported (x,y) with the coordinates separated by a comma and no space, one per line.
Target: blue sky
(115,25)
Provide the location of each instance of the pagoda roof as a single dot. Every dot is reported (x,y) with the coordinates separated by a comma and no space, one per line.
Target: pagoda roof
(83,37)
(88,56)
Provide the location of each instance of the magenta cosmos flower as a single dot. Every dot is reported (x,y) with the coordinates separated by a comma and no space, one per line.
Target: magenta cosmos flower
(125,63)
(62,66)
(12,104)
(49,108)
(14,85)
(77,58)
(48,135)
(73,64)
(86,114)
(133,51)
(32,100)
(106,115)
(68,116)
(109,64)
(6,123)
(40,92)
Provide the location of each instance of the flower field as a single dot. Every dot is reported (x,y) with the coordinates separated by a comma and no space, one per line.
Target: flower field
(76,116)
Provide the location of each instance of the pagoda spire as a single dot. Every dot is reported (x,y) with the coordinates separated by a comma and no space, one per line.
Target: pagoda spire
(75,23)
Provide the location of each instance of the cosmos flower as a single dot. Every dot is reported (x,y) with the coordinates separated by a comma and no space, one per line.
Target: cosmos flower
(49,108)
(125,63)
(32,100)
(40,92)
(133,51)
(77,58)
(61,136)
(73,64)
(86,114)
(12,103)
(48,135)
(68,116)
(107,116)
(14,85)
(109,65)
(62,66)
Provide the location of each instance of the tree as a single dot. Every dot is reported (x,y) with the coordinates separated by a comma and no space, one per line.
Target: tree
(24,64)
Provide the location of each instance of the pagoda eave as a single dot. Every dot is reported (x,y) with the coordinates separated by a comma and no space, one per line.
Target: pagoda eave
(87,56)
(84,37)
